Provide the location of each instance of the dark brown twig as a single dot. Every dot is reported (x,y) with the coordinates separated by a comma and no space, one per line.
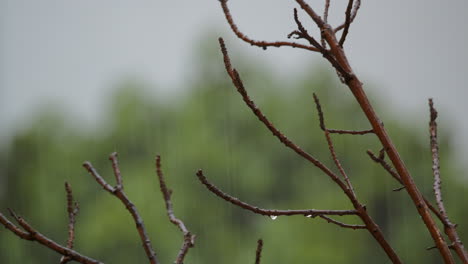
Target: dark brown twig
(330,145)
(449,226)
(338,223)
(118,192)
(347,22)
(189,239)
(380,160)
(261,44)
(72,210)
(258,252)
(354,12)
(32,234)
(268,212)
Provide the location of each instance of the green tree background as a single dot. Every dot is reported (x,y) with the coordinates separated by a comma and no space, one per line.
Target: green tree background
(209,127)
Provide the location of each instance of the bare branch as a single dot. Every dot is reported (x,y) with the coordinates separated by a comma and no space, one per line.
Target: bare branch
(338,223)
(118,192)
(189,239)
(72,210)
(347,22)
(116,169)
(449,226)
(261,44)
(268,212)
(258,253)
(32,234)
(257,112)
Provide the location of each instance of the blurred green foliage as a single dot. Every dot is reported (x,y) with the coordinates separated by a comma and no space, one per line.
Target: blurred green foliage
(210,128)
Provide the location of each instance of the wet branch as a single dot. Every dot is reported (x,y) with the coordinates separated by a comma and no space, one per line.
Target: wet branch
(268,212)
(189,239)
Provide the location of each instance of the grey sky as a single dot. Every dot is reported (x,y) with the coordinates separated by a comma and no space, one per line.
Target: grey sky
(71,52)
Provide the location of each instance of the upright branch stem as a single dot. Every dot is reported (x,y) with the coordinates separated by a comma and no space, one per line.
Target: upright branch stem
(72,210)
(118,192)
(32,234)
(258,252)
(450,228)
(189,239)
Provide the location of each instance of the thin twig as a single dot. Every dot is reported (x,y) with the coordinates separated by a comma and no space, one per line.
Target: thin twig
(32,234)
(261,44)
(72,210)
(449,226)
(356,7)
(258,252)
(268,212)
(189,239)
(330,145)
(118,192)
(338,223)
(347,22)
(384,164)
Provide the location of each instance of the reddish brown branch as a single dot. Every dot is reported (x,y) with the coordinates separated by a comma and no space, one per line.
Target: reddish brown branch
(189,239)
(262,44)
(258,252)
(347,22)
(338,223)
(32,234)
(450,228)
(72,210)
(268,212)
(118,192)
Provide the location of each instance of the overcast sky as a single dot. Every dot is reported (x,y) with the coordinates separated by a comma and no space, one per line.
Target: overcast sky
(71,52)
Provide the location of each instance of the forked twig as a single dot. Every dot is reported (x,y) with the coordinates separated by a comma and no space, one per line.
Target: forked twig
(258,252)
(261,44)
(118,192)
(72,210)
(354,12)
(268,212)
(347,22)
(330,145)
(189,239)
(450,228)
(32,234)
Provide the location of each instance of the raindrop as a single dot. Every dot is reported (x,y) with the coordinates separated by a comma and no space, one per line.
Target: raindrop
(273,217)
(310,216)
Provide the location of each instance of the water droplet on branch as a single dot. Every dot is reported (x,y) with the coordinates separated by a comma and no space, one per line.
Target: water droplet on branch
(273,217)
